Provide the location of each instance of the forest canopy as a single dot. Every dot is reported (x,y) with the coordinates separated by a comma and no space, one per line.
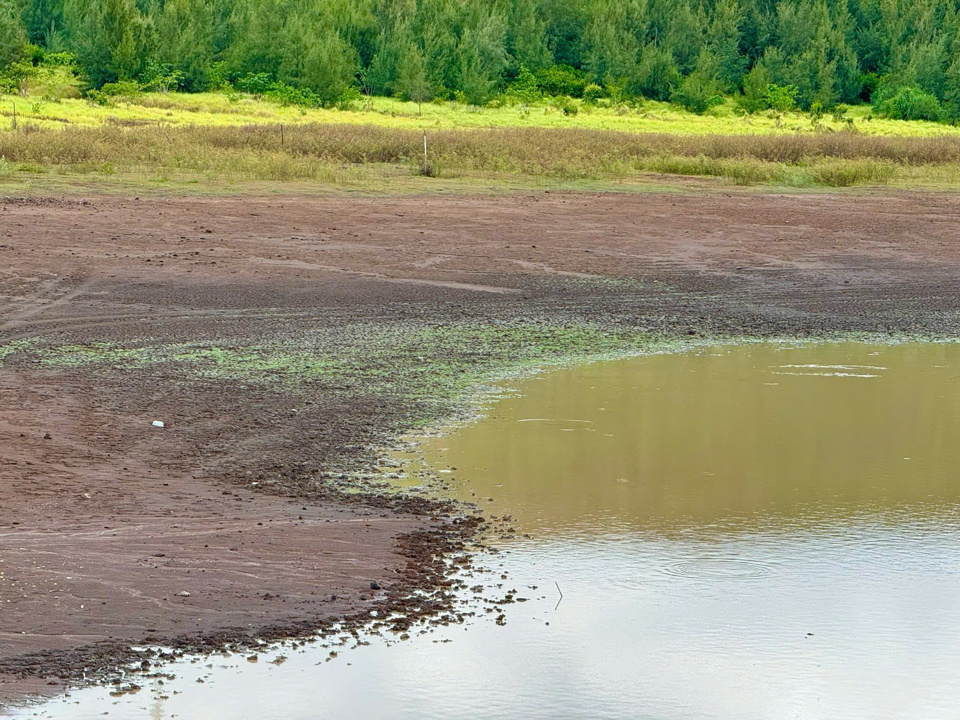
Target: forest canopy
(902,56)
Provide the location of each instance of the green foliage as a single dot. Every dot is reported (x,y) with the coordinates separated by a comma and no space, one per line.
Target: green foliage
(110,38)
(782,98)
(657,74)
(592,93)
(561,80)
(412,81)
(14,77)
(908,103)
(481,55)
(13,36)
(161,78)
(50,74)
(285,94)
(98,97)
(869,82)
(610,46)
(184,47)
(723,40)
(258,84)
(329,70)
(126,91)
(830,51)
(700,90)
(527,36)
(756,87)
(261,85)
(566,105)
(525,88)
(951,92)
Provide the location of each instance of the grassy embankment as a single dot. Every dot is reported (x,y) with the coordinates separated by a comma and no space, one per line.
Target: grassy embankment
(170,141)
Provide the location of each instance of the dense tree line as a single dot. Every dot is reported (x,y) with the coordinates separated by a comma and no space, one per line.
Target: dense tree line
(816,53)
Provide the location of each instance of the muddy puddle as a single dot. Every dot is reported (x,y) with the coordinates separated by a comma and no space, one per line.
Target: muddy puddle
(754,532)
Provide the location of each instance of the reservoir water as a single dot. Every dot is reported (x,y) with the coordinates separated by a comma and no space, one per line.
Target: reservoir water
(760,531)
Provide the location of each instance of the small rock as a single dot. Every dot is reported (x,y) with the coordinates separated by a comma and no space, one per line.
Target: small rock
(183,593)
(374,585)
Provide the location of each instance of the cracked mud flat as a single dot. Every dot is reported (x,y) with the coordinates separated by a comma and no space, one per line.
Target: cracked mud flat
(282,340)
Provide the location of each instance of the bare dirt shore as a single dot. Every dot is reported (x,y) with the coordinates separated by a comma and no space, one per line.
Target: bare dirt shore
(113,531)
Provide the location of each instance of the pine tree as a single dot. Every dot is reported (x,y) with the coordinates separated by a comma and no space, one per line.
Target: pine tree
(951,91)
(394,38)
(42,17)
(109,37)
(329,68)
(13,36)
(259,28)
(185,40)
(412,78)
(685,36)
(657,73)
(482,54)
(755,85)
(610,48)
(928,66)
(526,37)
(438,23)
(723,40)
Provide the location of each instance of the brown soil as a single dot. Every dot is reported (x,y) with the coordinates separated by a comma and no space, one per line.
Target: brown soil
(113,531)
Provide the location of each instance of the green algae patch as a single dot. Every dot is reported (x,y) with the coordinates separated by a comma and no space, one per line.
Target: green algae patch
(425,363)
(429,363)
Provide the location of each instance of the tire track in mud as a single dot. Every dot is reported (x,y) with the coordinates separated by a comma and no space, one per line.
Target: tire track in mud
(27,308)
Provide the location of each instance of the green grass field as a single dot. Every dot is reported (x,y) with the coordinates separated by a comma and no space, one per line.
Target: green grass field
(212,142)
(218,109)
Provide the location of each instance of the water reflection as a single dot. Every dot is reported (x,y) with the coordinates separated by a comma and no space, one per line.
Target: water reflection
(755,532)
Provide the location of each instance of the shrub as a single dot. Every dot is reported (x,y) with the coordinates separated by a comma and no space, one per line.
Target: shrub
(592,93)
(125,90)
(561,80)
(97,97)
(349,98)
(217,76)
(908,102)
(697,93)
(13,78)
(288,95)
(782,98)
(869,82)
(755,87)
(524,89)
(844,173)
(162,78)
(254,83)
(566,105)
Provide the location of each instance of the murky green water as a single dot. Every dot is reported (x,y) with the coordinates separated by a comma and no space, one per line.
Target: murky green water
(755,532)
(720,441)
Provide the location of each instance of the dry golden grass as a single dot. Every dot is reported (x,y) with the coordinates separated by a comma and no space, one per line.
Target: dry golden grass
(330,153)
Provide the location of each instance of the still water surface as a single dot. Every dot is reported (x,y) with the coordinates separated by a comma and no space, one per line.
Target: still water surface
(751,532)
